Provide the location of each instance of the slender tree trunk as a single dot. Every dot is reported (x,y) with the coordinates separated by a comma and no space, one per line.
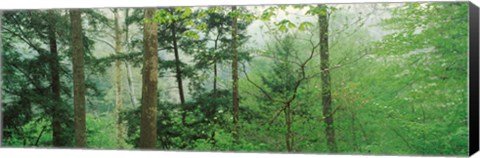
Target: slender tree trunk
(55,83)
(78,78)
(325,77)
(148,125)
(178,70)
(215,76)
(235,96)
(215,71)
(131,88)
(40,136)
(118,80)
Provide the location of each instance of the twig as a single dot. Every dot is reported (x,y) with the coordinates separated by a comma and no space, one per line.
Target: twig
(40,135)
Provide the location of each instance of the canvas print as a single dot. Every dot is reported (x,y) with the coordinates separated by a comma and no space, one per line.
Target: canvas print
(366,78)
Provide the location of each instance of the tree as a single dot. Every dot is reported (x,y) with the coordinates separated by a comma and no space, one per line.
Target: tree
(437,47)
(78,78)
(178,70)
(325,75)
(128,45)
(235,97)
(148,129)
(408,66)
(174,25)
(55,83)
(217,25)
(118,77)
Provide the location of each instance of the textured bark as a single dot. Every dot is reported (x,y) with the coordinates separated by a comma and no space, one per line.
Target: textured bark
(326,85)
(58,141)
(148,125)
(235,76)
(78,78)
(118,80)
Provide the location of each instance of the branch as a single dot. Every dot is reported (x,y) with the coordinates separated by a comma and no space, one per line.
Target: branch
(22,36)
(106,42)
(260,88)
(298,82)
(33,81)
(302,68)
(275,58)
(40,135)
(339,64)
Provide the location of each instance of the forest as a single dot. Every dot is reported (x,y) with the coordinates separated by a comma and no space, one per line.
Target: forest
(369,78)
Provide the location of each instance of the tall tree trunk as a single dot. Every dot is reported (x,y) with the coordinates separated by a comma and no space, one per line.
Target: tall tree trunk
(235,96)
(178,71)
(118,79)
(325,77)
(215,76)
(78,78)
(148,125)
(55,83)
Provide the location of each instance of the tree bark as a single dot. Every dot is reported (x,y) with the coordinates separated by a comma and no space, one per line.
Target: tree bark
(235,96)
(118,79)
(78,78)
(148,125)
(55,83)
(325,77)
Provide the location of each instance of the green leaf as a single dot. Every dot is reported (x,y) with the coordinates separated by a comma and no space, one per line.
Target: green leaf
(186,12)
(282,28)
(202,26)
(305,25)
(191,34)
(291,25)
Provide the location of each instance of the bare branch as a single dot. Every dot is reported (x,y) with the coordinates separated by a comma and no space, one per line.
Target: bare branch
(257,86)
(106,42)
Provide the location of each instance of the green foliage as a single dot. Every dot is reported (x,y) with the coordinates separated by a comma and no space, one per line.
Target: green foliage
(101,131)
(404,93)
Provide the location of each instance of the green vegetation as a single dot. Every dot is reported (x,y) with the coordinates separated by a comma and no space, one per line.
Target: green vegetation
(350,78)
